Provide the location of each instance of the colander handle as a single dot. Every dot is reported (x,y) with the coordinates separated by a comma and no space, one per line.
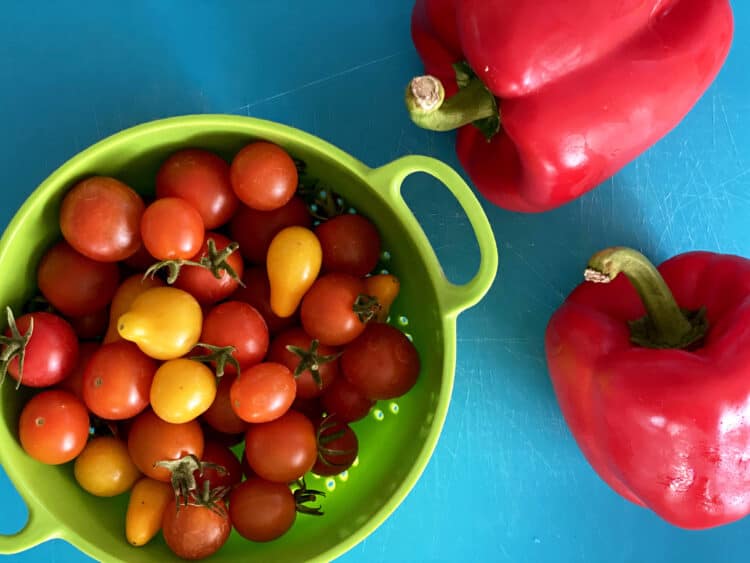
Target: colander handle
(388,180)
(38,529)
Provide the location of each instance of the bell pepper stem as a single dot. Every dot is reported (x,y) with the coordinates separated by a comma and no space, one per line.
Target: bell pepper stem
(428,108)
(665,325)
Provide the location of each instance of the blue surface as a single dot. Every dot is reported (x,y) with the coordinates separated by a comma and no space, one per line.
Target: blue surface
(507,482)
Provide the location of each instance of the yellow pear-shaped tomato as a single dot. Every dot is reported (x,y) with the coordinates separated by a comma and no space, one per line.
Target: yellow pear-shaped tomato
(148,500)
(293,263)
(182,390)
(126,293)
(165,322)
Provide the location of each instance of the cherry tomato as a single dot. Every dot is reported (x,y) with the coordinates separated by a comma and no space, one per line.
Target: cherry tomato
(123,298)
(254,230)
(228,440)
(201,282)
(282,450)
(151,439)
(346,401)
(50,354)
(319,358)
(385,288)
(237,324)
(195,532)
(225,458)
(171,229)
(73,383)
(100,217)
(350,243)
(337,447)
(336,309)
(90,327)
(53,427)
(293,264)
(257,292)
(74,284)
(165,322)
(104,467)
(117,381)
(148,500)
(382,363)
(202,179)
(263,176)
(220,415)
(182,390)
(261,510)
(263,392)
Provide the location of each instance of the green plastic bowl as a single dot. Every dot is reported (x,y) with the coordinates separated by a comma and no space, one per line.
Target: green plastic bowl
(396,441)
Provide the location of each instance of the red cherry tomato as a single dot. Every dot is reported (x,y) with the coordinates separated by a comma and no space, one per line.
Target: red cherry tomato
(74,284)
(261,510)
(202,179)
(350,244)
(346,401)
(320,358)
(100,217)
(337,447)
(220,415)
(257,292)
(263,176)
(117,381)
(382,363)
(50,354)
(171,229)
(282,450)
(54,427)
(224,458)
(331,310)
(150,439)
(263,392)
(201,283)
(195,532)
(237,324)
(254,230)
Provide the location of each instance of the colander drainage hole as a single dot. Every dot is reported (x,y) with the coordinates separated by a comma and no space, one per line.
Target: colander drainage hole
(394,408)
(378,414)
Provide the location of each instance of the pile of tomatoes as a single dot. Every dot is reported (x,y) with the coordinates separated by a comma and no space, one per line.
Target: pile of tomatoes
(237,311)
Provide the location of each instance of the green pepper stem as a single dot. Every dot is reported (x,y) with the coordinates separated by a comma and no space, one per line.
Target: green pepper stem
(665,324)
(428,108)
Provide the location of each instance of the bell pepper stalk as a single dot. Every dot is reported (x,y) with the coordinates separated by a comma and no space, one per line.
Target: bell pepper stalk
(551,98)
(651,370)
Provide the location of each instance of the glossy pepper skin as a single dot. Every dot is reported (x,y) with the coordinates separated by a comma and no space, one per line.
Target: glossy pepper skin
(667,428)
(582,87)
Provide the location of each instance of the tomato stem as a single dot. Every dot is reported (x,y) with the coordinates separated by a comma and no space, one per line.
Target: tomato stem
(221,355)
(183,475)
(366,307)
(304,495)
(311,360)
(328,423)
(14,346)
(215,261)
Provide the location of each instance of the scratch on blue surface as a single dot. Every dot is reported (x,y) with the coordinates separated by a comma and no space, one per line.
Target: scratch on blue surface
(245,108)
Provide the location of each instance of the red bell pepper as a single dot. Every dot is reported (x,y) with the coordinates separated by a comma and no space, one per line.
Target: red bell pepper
(652,374)
(567,92)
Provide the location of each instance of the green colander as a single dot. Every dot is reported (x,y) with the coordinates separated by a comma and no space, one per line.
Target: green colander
(396,440)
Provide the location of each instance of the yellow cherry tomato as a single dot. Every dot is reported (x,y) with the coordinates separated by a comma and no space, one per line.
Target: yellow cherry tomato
(385,288)
(104,467)
(126,293)
(182,390)
(165,322)
(148,500)
(293,263)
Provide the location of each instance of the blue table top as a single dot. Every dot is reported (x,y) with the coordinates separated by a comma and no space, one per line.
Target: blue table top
(507,482)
